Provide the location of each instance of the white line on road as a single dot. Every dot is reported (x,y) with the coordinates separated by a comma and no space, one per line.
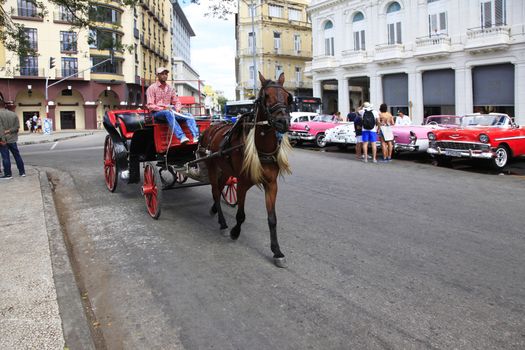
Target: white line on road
(65,150)
(54,145)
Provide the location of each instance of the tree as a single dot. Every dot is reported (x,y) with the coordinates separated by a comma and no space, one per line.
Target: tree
(13,36)
(222,101)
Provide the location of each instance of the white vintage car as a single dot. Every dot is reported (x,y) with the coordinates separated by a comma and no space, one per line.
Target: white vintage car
(343,135)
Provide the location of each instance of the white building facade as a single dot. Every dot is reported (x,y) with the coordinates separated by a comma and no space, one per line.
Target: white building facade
(424,57)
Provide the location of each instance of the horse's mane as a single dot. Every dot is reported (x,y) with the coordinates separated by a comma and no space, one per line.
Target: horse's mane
(252,164)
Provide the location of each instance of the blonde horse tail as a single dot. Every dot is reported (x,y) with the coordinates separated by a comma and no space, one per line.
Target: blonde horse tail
(251,165)
(282,156)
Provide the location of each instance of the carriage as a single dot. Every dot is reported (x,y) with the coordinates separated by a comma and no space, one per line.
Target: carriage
(135,138)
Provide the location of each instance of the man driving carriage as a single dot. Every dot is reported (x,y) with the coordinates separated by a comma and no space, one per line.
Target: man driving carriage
(163,102)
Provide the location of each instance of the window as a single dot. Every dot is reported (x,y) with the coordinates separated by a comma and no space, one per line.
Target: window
(275,11)
(103,40)
(329,39)
(252,73)
(104,14)
(297,43)
(493,13)
(106,67)
(64,14)
(276,41)
(27,8)
(393,7)
(32,38)
(359,40)
(251,40)
(298,75)
(68,42)
(394,33)
(294,14)
(394,19)
(278,71)
(69,66)
(358,17)
(437,23)
(252,10)
(29,66)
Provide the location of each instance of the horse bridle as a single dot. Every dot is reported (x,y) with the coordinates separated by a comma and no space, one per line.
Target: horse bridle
(271,111)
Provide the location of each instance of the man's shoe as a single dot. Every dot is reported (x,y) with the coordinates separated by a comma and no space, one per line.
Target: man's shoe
(6,177)
(23,175)
(184,139)
(196,139)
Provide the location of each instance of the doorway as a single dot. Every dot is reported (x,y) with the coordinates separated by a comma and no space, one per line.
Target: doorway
(29,115)
(67,120)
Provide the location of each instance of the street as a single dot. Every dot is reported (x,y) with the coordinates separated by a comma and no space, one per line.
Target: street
(403,255)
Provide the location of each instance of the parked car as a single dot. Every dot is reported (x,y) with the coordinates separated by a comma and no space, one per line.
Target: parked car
(342,134)
(493,136)
(298,117)
(414,138)
(313,130)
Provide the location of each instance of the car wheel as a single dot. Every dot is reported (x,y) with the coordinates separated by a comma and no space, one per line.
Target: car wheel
(320,140)
(501,158)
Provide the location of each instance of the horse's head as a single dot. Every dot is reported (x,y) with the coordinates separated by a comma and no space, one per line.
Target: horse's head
(274,103)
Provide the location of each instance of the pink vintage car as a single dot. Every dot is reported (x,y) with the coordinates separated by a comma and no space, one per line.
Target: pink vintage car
(313,130)
(414,138)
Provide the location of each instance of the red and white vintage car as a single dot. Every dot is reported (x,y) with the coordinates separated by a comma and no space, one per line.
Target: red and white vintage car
(493,136)
(313,130)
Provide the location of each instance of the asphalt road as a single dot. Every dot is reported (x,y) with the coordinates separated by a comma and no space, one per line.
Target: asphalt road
(402,255)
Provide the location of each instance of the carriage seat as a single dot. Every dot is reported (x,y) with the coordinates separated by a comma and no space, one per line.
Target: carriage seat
(130,122)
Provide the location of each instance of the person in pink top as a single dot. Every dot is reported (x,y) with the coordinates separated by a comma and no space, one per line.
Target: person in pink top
(164,104)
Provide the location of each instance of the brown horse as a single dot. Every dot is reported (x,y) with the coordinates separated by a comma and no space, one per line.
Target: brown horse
(256,154)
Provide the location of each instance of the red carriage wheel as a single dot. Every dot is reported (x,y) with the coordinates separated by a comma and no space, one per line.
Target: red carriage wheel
(229,192)
(152,189)
(110,165)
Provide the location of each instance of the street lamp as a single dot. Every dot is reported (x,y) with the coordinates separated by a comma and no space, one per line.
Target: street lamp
(254,43)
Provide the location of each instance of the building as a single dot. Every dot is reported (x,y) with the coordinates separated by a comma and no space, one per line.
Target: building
(281,37)
(186,79)
(421,56)
(142,39)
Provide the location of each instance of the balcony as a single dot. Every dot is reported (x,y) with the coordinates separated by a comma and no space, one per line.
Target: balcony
(487,39)
(29,72)
(353,59)
(308,69)
(62,73)
(297,84)
(432,47)
(28,13)
(63,17)
(389,53)
(323,63)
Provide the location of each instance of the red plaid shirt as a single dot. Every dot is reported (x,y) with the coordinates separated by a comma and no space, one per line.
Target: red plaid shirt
(160,96)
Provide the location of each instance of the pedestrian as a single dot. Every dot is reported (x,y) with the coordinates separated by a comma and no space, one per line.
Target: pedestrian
(39,125)
(163,102)
(386,120)
(28,124)
(403,119)
(358,127)
(370,123)
(33,122)
(350,117)
(337,117)
(9,126)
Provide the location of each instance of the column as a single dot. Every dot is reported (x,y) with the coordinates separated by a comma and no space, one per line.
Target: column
(343,97)
(376,91)
(316,86)
(51,115)
(464,93)
(90,116)
(415,97)
(519,90)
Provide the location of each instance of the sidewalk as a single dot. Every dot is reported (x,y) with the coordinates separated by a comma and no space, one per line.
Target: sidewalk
(34,313)
(32,138)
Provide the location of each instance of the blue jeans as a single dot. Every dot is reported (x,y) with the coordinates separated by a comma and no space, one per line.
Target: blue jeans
(173,120)
(6,161)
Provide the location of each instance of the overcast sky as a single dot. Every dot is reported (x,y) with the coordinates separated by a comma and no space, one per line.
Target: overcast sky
(212,48)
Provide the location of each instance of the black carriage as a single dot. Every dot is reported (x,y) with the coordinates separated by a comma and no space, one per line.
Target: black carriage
(135,138)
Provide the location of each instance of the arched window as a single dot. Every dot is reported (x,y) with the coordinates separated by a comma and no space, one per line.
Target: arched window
(329,38)
(358,28)
(393,7)
(393,22)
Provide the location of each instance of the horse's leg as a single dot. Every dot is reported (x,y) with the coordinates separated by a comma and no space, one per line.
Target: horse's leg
(240,217)
(216,193)
(270,194)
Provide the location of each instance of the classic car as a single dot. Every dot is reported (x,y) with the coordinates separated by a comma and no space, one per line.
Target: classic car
(493,136)
(414,138)
(313,130)
(297,117)
(343,135)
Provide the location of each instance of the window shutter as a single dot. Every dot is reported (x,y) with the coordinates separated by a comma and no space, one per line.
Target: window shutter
(391,34)
(327,47)
(398,32)
(356,41)
(363,47)
(500,12)
(443,21)
(433,24)
(486,14)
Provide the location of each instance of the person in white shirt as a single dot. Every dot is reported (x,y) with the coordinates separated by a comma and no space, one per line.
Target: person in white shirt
(403,119)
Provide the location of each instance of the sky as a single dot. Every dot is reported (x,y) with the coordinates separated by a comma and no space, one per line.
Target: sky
(212,48)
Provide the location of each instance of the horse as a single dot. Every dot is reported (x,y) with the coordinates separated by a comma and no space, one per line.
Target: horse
(256,154)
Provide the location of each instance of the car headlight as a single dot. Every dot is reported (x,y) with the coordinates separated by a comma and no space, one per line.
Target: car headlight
(307,128)
(483,138)
(431,136)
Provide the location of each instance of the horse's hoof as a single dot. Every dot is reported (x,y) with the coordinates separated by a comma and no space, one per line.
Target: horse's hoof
(280,262)
(224,233)
(213,211)
(235,233)
(224,227)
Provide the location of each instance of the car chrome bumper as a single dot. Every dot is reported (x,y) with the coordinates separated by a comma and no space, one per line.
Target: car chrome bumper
(406,147)
(297,136)
(461,153)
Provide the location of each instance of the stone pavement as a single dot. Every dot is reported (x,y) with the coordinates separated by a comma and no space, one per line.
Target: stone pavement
(40,304)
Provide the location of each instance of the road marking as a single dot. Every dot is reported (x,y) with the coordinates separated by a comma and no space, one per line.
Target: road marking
(54,145)
(65,150)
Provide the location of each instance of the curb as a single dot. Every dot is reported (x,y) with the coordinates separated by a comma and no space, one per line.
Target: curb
(55,139)
(75,326)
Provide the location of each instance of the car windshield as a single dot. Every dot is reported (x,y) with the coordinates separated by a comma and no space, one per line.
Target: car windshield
(444,120)
(485,120)
(325,118)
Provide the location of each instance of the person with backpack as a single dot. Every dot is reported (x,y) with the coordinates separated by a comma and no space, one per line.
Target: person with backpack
(370,123)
